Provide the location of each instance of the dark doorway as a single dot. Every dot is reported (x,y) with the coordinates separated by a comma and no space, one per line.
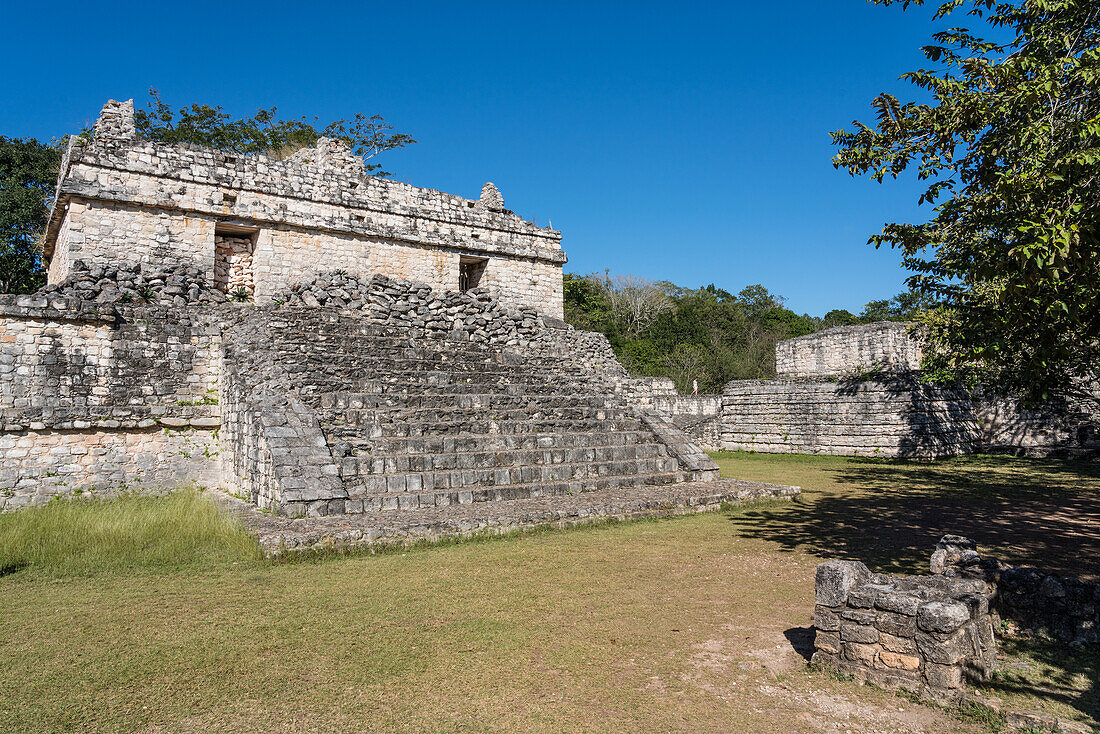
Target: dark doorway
(470,272)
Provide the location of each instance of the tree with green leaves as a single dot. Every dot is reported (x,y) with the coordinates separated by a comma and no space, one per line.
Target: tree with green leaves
(28,172)
(1006,137)
(660,329)
(264,132)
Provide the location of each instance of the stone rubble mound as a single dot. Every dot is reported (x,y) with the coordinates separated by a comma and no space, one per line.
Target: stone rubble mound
(136,283)
(474,314)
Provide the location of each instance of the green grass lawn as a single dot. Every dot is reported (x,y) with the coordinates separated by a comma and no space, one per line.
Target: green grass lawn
(692,624)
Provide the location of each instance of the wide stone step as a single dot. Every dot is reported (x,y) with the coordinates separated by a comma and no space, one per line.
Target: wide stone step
(358,379)
(381,463)
(524,399)
(424,349)
(409,500)
(357,443)
(309,340)
(350,370)
(397,389)
(462,416)
(482,428)
(506,476)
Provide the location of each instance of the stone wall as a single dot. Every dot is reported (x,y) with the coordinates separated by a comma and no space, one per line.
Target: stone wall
(39,465)
(857,391)
(95,398)
(699,416)
(934,634)
(1063,608)
(884,415)
(882,346)
(123,197)
(275,455)
(930,635)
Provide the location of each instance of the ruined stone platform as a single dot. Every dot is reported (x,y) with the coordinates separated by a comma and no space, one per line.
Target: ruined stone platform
(387,529)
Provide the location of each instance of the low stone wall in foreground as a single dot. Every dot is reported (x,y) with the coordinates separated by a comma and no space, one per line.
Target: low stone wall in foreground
(934,634)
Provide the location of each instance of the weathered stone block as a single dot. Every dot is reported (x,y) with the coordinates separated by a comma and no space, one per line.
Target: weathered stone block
(943,676)
(945,652)
(858,633)
(893,643)
(835,579)
(899,660)
(943,617)
(826,619)
(827,642)
(861,653)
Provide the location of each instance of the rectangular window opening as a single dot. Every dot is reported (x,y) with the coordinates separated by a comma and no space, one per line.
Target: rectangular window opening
(470,272)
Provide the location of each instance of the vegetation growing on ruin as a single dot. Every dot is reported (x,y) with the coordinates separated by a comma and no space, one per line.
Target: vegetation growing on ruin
(1008,146)
(659,329)
(263,132)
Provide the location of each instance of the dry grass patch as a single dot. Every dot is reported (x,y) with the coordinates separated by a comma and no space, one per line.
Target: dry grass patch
(693,624)
(680,625)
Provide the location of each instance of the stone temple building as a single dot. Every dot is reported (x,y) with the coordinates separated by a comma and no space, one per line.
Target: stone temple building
(316,342)
(255,225)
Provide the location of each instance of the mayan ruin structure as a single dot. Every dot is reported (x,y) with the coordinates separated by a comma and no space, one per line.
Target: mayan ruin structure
(322,342)
(253,226)
(858,391)
(315,341)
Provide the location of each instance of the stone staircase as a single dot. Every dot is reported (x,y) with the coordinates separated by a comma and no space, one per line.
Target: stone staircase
(416,420)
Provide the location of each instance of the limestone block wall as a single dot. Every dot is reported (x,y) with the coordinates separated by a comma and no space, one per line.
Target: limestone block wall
(284,256)
(885,416)
(885,345)
(275,454)
(1051,429)
(927,634)
(935,634)
(120,197)
(699,416)
(38,465)
(97,399)
(233,265)
(105,232)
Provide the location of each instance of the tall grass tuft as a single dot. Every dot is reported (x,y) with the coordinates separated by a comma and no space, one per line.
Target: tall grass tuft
(78,537)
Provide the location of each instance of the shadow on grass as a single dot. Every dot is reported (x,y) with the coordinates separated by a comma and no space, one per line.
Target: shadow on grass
(889,514)
(1050,672)
(802,640)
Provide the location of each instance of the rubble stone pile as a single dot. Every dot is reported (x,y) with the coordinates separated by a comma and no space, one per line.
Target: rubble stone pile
(137,283)
(475,313)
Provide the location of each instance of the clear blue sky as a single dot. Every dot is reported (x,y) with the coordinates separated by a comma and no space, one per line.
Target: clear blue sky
(686,142)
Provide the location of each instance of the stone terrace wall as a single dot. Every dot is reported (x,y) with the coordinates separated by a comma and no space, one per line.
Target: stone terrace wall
(885,416)
(275,454)
(119,196)
(875,347)
(95,398)
(699,416)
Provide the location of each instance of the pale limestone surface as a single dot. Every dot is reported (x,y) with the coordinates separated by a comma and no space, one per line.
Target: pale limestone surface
(120,197)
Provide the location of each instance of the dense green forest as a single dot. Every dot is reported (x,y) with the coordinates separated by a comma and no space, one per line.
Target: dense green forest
(659,329)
